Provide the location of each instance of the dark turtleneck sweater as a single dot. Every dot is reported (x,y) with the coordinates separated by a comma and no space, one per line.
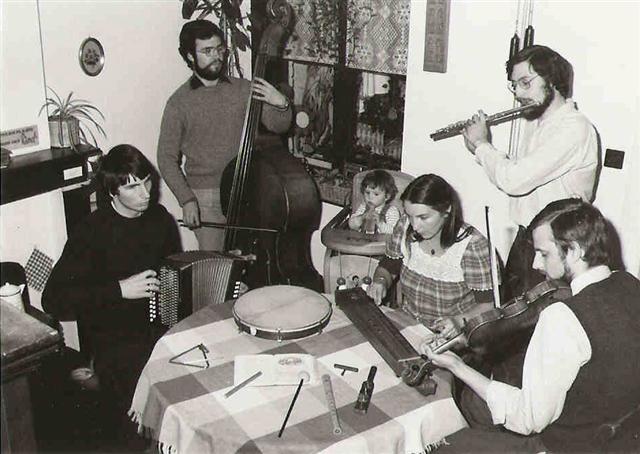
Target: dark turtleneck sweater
(105,248)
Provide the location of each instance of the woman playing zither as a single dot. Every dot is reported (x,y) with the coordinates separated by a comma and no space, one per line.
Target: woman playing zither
(443,263)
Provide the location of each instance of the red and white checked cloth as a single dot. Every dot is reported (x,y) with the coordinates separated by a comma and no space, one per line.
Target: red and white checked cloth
(184,408)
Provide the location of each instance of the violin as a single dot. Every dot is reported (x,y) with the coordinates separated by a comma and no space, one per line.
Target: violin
(513,321)
(515,318)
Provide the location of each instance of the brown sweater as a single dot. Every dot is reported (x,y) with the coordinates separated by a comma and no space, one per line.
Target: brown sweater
(204,124)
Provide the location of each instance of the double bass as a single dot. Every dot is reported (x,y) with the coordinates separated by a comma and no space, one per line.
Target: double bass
(269,192)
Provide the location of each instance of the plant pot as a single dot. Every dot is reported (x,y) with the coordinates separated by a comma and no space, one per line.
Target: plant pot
(64,133)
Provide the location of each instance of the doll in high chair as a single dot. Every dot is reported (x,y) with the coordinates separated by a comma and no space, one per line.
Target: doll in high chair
(376,213)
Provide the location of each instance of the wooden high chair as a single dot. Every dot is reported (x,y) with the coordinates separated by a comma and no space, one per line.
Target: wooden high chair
(351,253)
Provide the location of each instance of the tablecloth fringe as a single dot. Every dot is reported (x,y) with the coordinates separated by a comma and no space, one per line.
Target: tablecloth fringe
(166,449)
(136,417)
(431,447)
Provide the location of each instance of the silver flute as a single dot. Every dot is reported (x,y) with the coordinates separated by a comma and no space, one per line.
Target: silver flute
(501,117)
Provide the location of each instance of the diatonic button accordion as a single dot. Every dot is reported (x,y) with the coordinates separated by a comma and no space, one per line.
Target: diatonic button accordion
(194,279)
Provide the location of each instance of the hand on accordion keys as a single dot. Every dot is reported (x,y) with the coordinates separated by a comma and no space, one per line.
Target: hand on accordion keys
(141,285)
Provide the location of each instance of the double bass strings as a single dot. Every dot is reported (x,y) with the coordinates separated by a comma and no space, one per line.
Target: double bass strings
(243,160)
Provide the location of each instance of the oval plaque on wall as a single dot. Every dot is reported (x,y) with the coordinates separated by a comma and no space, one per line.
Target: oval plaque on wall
(91,56)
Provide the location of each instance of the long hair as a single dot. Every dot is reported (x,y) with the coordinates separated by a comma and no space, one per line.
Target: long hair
(574,220)
(434,191)
(196,29)
(547,63)
(115,167)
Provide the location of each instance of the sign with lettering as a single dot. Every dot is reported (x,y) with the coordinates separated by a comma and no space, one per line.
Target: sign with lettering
(14,139)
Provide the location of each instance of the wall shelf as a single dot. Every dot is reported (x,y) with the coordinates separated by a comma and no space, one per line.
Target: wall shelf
(42,171)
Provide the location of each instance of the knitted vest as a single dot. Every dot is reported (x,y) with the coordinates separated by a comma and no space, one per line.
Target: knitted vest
(608,386)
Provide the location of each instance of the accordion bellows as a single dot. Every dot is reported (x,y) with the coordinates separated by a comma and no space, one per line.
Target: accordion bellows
(194,279)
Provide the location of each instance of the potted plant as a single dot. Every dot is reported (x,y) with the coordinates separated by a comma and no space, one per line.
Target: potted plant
(70,120)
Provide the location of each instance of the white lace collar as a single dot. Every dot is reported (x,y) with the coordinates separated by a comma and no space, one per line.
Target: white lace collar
(446,267)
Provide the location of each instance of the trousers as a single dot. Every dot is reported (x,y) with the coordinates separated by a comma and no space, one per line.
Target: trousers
(482,435)
(210,238)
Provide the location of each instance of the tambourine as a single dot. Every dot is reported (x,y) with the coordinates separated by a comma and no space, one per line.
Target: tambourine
(282,312)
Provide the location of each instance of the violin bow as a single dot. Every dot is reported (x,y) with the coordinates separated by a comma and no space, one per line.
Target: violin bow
(493,260)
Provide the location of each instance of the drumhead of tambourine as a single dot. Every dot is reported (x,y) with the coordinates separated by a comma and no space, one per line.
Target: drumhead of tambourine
(281,307)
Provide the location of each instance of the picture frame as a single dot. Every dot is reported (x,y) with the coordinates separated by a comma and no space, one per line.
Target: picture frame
(91,57)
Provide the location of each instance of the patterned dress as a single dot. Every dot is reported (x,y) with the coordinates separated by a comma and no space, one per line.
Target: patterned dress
(442,286)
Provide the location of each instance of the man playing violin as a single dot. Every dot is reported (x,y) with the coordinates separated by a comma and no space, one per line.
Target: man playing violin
(580,368)
(556,158)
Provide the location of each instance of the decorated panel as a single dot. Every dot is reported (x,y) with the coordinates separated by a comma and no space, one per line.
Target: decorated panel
(314,37)
(378,35)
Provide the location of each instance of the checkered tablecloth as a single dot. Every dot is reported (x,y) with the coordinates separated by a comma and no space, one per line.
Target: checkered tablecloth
(184,408)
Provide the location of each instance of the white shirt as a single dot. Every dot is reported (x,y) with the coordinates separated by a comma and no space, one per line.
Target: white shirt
(558,348)
(557,159)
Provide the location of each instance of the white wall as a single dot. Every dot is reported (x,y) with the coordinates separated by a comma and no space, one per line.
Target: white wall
(600,38)
(602,41)
(142,67)
(35,222)
(22,83)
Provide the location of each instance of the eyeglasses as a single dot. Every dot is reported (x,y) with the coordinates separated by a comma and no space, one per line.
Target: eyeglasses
(524,84)
(209,51)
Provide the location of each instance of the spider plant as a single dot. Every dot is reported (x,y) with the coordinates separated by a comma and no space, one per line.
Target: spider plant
(76,115)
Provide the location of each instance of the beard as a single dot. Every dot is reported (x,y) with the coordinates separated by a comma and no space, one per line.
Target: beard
(208,72)
(536,112)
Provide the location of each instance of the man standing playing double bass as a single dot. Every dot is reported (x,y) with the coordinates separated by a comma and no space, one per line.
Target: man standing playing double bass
(557,157)
(203,121)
